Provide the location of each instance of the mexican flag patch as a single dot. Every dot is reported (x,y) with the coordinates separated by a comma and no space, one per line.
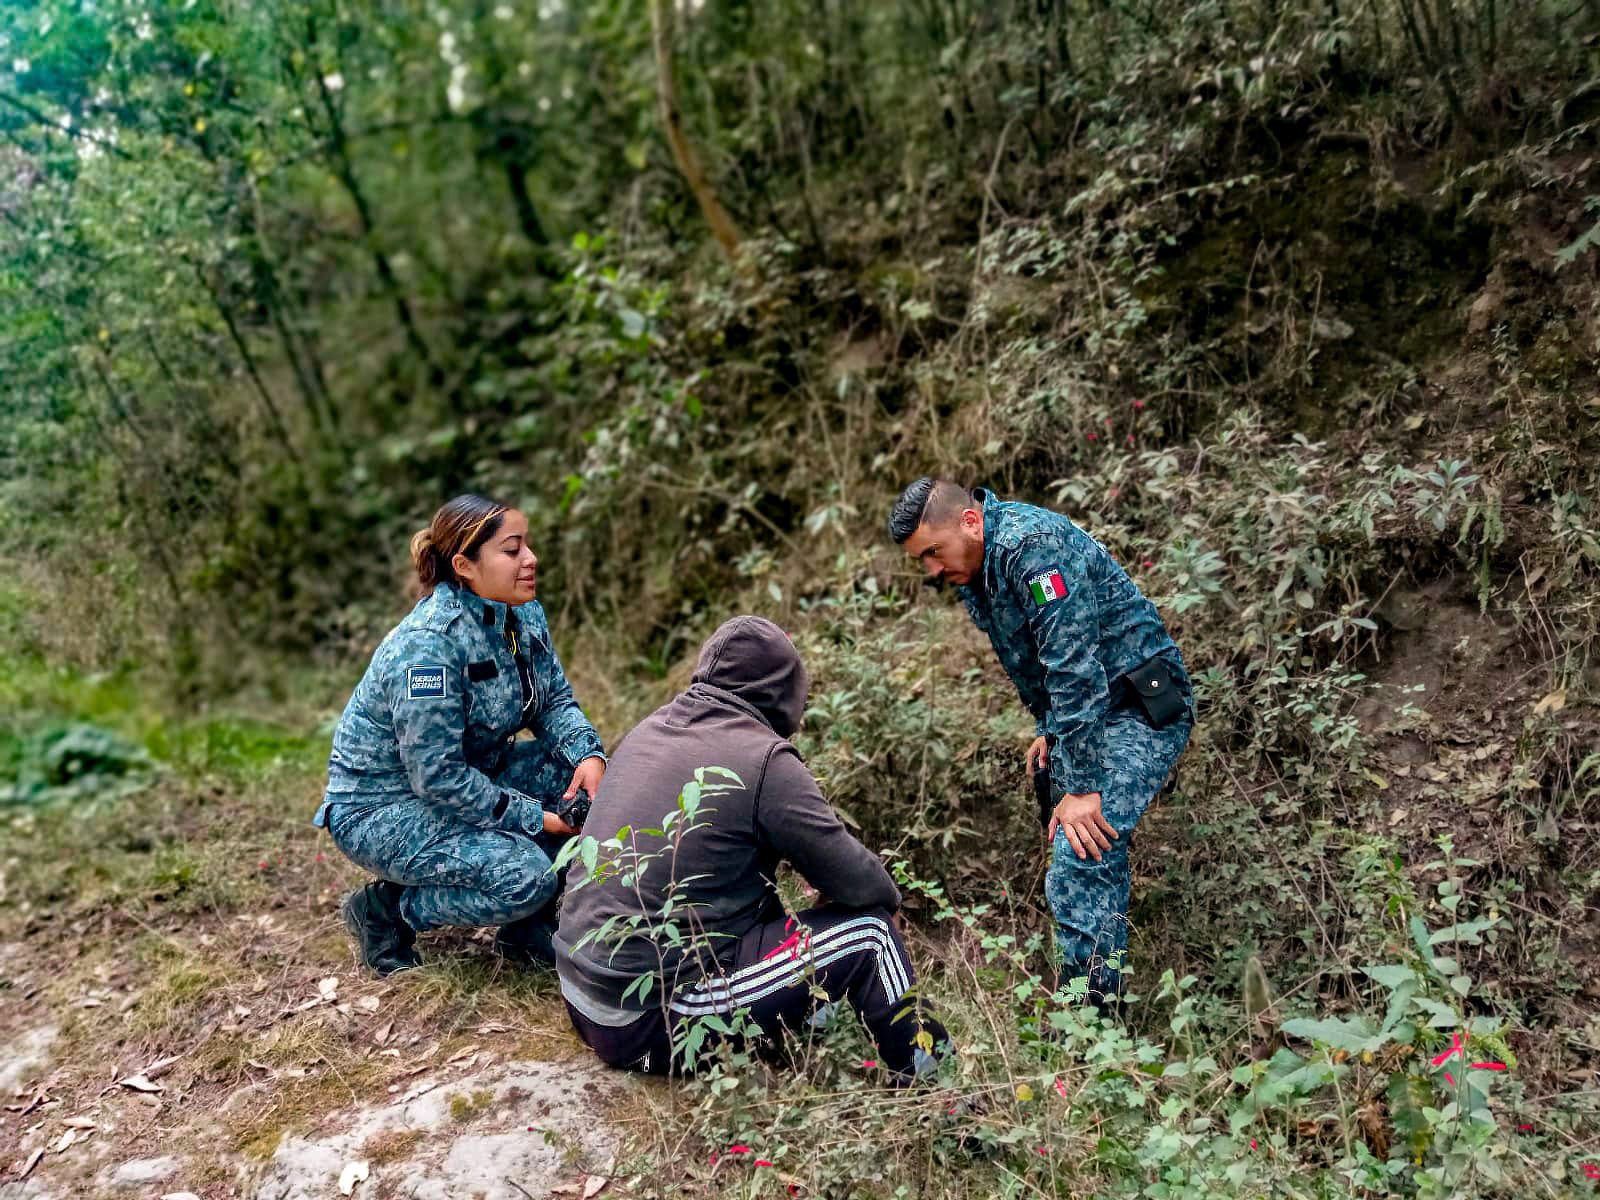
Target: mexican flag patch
(1047,587)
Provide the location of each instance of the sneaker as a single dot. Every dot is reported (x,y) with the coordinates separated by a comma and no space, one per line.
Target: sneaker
(372,915)
(529,942)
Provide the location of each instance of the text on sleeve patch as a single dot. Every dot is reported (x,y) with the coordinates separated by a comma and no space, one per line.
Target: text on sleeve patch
(425,683)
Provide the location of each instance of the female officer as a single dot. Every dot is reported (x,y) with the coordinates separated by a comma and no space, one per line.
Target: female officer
(428,788)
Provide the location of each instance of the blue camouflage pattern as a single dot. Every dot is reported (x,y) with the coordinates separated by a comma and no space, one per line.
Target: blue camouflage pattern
(1089,899)
(455,873)
(426,784)
(1066,654)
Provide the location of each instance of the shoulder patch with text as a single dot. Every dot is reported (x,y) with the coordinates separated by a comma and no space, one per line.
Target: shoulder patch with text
(424,683)
(1047,587)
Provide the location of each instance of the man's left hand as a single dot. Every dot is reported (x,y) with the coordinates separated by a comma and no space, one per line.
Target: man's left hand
(587,777)
(1080,818)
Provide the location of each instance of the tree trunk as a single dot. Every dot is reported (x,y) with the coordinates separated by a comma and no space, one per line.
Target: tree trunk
(344,169)
(683,151)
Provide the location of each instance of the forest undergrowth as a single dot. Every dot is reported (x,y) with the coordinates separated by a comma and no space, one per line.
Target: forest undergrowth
(1293,309)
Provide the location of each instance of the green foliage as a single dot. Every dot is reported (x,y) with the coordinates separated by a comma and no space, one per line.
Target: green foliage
(1262,297)
(75,762)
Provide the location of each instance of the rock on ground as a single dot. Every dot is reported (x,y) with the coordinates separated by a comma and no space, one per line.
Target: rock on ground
(470,1136)
(25,1054)
(140,1171)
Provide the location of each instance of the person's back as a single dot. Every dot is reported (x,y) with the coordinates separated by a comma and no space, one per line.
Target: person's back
(719,869)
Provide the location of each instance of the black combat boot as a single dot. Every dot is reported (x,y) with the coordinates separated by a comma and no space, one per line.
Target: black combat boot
(372,914)
(528,942)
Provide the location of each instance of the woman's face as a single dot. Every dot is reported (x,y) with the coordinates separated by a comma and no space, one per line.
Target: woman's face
(507,569)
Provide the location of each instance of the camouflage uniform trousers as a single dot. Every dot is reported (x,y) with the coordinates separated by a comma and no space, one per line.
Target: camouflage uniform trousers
(455,873)
(1090,899)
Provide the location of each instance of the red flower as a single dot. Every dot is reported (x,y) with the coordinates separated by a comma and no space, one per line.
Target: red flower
(869,1062)
(761,1162)
(1148,564)
(1093,438)
(1138,403)
(738,1149)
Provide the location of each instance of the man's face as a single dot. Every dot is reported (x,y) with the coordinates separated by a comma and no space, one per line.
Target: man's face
(950,553)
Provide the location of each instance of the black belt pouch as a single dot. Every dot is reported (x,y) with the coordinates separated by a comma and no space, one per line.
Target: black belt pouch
(1043,794)
(1152,683)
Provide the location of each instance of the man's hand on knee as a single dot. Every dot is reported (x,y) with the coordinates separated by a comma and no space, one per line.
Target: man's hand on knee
(1079,817)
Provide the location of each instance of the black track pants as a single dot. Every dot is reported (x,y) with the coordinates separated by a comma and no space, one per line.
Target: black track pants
(853,956)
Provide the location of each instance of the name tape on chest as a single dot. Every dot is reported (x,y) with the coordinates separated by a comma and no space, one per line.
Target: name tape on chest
(1047,587)
(425,683)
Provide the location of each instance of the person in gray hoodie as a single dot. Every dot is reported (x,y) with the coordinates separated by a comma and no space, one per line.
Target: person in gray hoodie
(635,982)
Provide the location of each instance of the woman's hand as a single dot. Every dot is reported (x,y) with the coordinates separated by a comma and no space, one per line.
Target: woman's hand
(588,776)
(1080,818)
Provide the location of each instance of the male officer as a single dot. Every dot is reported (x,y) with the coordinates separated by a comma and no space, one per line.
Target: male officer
(1096,667)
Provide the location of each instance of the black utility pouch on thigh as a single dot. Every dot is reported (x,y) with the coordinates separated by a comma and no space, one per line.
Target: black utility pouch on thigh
(1042,793)
(1158,695)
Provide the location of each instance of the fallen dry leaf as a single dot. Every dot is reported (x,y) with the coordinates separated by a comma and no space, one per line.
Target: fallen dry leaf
(62,1142)
(368,1004)
(462,1053)
(382,1035)
(79,1123)
(328,989)
(1553,703)
(594,1185)
(33,1161)
(140,1084)
(157,1069)
(179,1196)
(352,1174)
(420,1089)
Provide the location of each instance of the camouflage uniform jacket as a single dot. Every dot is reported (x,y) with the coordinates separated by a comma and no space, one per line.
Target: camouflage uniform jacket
(1067,624)
(441,700)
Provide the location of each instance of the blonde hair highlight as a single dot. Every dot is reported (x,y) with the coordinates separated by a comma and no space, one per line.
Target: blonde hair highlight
(461,526)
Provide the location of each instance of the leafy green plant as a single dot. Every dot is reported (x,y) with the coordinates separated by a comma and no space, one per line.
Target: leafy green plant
(76,762)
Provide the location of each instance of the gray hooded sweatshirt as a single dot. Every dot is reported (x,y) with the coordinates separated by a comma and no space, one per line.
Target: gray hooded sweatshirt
(745,700)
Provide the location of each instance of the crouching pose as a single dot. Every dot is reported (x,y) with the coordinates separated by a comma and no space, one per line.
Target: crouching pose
(736,950)
(428,786)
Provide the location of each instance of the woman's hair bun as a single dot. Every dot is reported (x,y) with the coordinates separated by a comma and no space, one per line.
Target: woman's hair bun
(425,558)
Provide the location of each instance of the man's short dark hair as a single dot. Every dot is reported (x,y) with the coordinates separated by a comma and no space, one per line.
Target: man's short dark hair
(926,500)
